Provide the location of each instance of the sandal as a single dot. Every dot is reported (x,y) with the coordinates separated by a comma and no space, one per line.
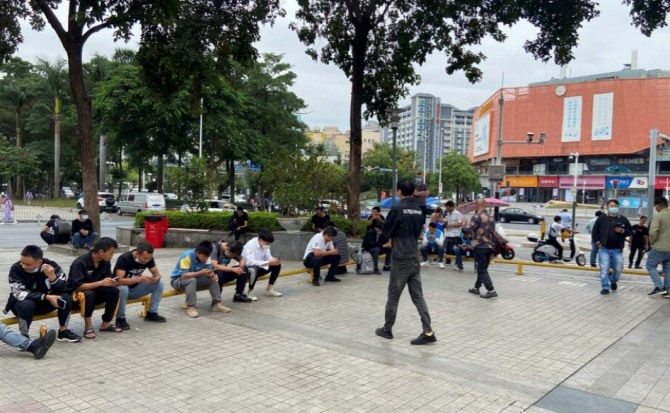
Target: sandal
(112,329)
(89,333)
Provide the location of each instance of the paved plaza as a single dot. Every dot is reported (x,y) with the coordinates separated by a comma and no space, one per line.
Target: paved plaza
(549,343)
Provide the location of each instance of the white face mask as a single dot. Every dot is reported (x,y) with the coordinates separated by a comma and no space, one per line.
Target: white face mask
(84,217)
(265,247)
(35,270)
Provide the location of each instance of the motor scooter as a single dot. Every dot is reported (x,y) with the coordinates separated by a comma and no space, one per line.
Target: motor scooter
(544,252)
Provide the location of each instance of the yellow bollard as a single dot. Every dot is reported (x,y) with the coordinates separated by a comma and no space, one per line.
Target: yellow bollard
(43,330)
(519,268)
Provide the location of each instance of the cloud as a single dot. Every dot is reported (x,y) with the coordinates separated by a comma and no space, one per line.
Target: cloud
(605,45)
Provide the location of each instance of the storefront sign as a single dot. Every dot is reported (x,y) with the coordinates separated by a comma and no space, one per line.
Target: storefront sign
(626,182)
(547,181)
(521,181)
(618,165)
(583,182)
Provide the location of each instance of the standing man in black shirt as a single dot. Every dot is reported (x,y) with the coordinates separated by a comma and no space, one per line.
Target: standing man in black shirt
(639,242)
(403,227)
(609,233)
(132,283)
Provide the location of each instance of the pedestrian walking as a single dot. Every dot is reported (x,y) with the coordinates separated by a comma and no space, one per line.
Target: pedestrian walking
(483,227)
(639,242)
(29,197)
(403,227)
(609,233)
(594,247)
(659,240)
(8,214)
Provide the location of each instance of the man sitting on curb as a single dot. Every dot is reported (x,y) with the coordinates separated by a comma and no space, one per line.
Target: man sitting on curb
(376,243)
(229,264)
(260,262)
(56,231)
(83,234)
(38,287)
(193,272)
(38,347)
(320,251)
(133,284)
(92,275)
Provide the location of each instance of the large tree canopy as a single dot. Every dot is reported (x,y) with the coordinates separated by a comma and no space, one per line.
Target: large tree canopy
(377,42)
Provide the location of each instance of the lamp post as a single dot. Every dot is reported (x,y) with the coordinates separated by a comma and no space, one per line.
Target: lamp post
(584,192)
(395,119)
(439,179)
(425,155)
(574,188)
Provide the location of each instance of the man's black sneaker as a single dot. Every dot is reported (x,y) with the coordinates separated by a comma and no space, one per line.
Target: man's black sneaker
(241,298)
(460,268)
(604,291)
(377,272)
(383,333)
(630,266)
(593,265)
(69,336)
(154,317)
(316,283)
(637,267)
(40,346)
(424,339)
(387,268)
(657,291)
(333,280)
(489,294)
(121,322)
(448,261)
(614,286)
(474,291)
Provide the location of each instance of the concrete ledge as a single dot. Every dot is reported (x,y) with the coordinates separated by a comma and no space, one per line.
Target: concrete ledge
(66,249)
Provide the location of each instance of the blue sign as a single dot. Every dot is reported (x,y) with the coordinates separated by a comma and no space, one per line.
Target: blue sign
(254,166)
(629,202)
(623,182)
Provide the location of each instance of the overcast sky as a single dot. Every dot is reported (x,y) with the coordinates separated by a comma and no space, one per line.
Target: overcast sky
(605,45)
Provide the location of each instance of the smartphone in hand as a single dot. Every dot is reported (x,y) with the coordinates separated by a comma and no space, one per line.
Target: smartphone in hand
(61,303)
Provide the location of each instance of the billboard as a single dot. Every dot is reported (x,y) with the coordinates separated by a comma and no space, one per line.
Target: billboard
(482,132)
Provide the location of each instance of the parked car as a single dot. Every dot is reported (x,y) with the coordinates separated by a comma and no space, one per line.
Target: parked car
(519,214)
(106,202)
(134,202)
(171,195)
(67,193)
(218,205)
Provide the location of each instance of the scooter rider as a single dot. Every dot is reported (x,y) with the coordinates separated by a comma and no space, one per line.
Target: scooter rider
(555,231)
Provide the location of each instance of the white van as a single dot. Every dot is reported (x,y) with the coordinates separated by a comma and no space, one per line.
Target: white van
(134,202)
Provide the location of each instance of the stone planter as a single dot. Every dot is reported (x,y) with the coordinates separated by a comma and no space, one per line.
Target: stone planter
(292,224)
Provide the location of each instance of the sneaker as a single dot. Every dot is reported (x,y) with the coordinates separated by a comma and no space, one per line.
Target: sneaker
(154,317)
(657,291)
(448,261)
(220,308)
(333,280)
(630,266)
(121,322)
(272,293)
(593,265)
(316,283)
(614,286)
(424,339)
(441,265)
(40,346)
(69,336)
(460,268)
(637,267)
(241,298)
(489,294)
(383,333)
(192,312)
(251,295)
(474,291)
(425,263)
(604,291)
(387,268)
(377,272)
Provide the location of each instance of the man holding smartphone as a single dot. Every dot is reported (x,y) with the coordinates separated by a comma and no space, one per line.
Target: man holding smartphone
(38,287)
(229,265)
(132,283)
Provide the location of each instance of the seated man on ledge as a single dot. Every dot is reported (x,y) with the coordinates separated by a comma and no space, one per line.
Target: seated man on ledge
(133,284)
(239,223)
(260,261)
(92,275)
(321,251)
(83,234)
(229,265)
(193,272)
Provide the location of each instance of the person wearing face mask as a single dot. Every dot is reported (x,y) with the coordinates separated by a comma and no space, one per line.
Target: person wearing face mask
(133,283)
(37,286)
(609,234)
(83,234)
(260,262)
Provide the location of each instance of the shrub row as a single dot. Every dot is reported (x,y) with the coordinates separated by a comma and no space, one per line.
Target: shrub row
(257,220)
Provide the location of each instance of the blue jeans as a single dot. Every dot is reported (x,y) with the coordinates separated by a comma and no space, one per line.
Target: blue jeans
(79,241)
(610,258)
(140,290)
(594,253)
(432,248)
(13,338)
(460,252)
(654,258)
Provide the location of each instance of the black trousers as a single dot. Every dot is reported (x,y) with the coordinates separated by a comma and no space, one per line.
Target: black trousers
(107,295)
(559,248)
(376,252)
(260,271)
(240,281)
(482,260)
(639,249)
(51,239)
(238,231)
(316,263)
(25,310)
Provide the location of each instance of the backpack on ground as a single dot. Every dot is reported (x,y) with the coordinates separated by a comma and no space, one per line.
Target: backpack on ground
(62,231)
(364,263)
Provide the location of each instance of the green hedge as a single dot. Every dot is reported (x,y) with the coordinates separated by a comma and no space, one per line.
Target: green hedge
(257,221)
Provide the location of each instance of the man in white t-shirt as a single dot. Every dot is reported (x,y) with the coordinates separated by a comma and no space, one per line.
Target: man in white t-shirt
(321,251)
(454,223)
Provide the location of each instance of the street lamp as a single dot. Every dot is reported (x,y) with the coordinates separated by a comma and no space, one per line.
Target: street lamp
(439,179)
(574,188)
(395,119)
(654,135)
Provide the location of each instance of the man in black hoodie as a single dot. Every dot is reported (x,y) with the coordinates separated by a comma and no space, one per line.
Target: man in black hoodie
(38,287)
(609,234)
(403,227)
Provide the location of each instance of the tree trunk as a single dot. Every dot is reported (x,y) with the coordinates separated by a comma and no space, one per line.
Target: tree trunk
(160,172)
(56,190)
(19,143)
(355,137)
(84,130)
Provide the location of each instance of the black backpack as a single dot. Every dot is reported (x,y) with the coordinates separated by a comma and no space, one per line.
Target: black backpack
(62,227)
